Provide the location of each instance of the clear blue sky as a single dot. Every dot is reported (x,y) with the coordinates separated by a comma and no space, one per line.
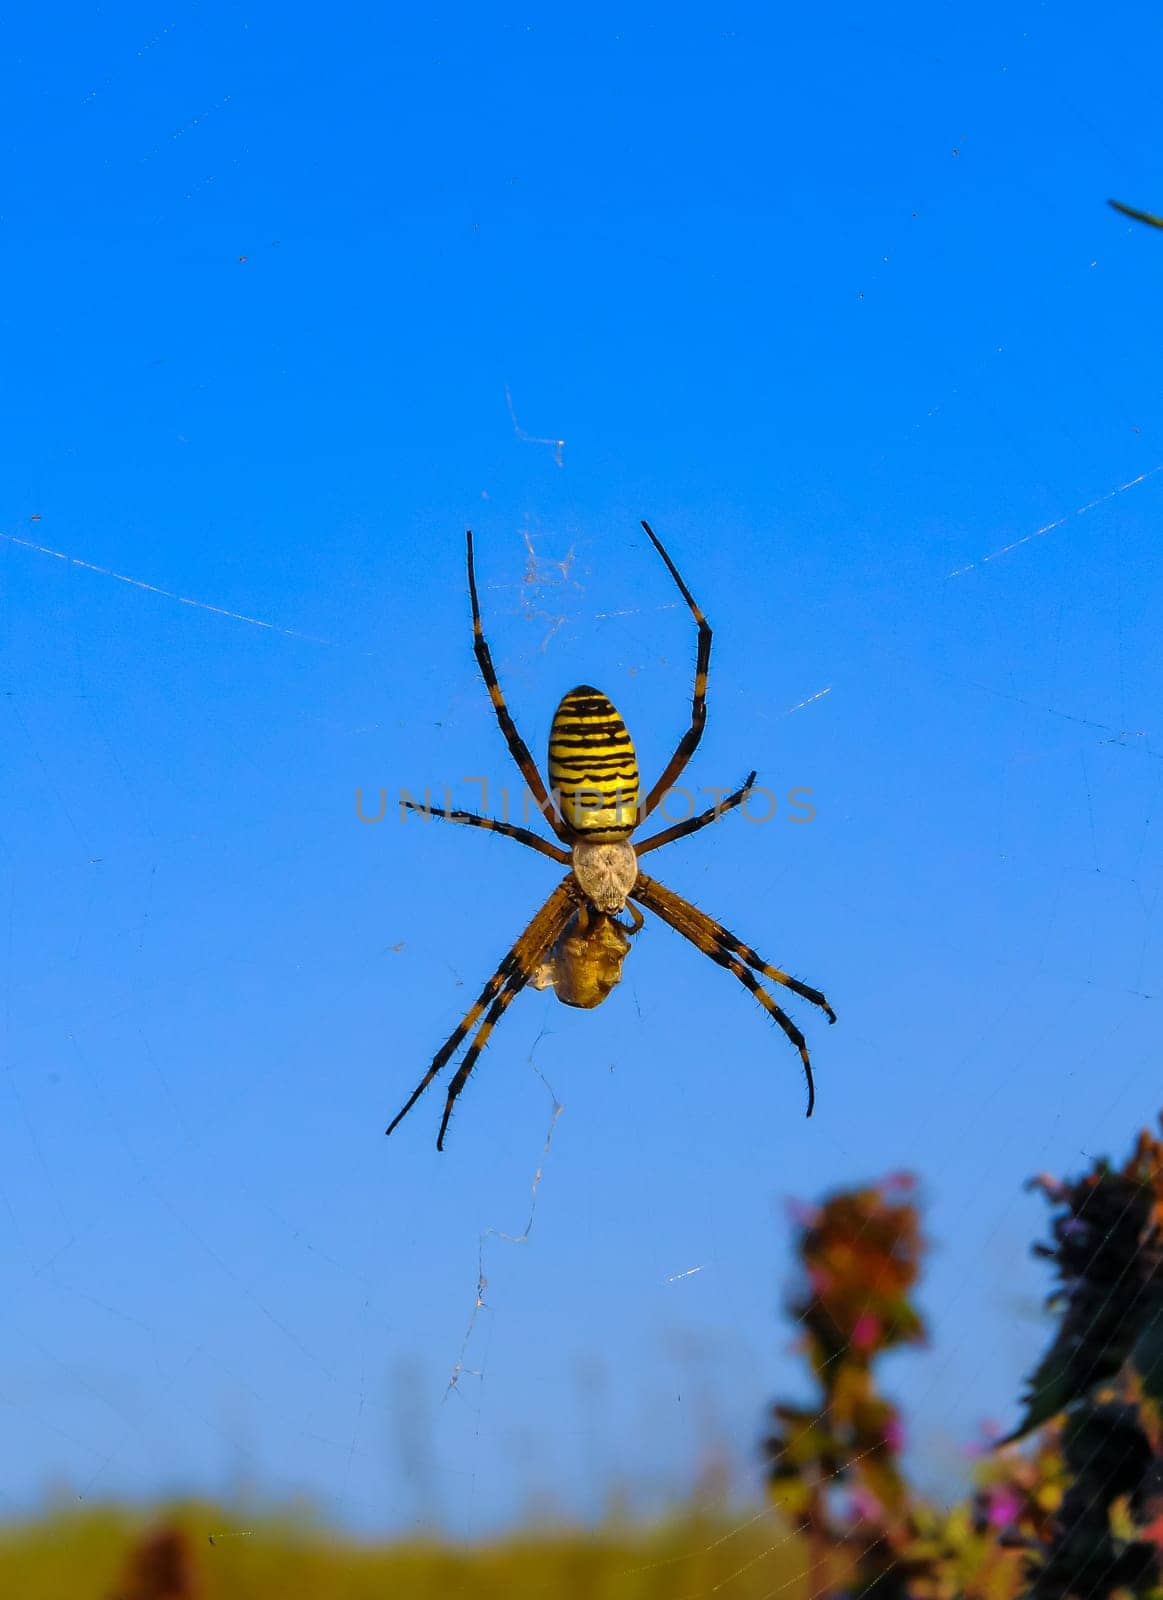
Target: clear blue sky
(832,298)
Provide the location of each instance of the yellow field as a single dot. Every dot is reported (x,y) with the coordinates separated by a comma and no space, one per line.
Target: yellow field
(98,1555)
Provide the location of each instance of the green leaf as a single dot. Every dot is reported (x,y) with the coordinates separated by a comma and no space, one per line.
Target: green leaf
(1051,1390)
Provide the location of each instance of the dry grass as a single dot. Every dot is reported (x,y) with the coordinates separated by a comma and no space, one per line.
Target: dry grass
(107,1554)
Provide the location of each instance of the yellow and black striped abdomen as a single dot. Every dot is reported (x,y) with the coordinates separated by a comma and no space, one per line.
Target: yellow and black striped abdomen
(593,771)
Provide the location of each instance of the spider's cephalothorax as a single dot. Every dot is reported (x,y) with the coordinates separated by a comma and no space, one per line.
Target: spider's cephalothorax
(575,944)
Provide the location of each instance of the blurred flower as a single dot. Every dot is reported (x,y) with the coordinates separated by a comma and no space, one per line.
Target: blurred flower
(1004,1506)
(898,1183)
(864,1504)
(865,1331)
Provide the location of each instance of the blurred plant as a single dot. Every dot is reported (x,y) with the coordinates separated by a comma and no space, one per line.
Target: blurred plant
(1078,1514)
(79,1554)
(861,1253)
(159,1568)
(1069,1504)
(1104,1372)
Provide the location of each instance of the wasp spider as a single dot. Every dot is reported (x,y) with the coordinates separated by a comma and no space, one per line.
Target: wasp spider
(576,943)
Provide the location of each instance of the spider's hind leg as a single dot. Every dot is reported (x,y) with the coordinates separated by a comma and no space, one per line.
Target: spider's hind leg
(516,982)
(726,951)
(505,984)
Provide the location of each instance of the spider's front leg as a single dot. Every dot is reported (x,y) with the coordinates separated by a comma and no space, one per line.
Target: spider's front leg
(518,749)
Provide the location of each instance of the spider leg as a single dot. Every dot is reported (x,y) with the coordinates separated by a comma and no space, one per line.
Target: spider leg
(518,749)
(509,829)
(522,960)
(703,930)
(726,951)
(680,830)
(516,982)
(688,744)
(749,981)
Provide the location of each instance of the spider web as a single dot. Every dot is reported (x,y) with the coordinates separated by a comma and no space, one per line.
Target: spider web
(218,982)
(544,583)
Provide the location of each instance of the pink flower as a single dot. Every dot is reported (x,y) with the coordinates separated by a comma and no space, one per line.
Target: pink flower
(865,1331)
(865,1506)
(1053,1187)
(899,1183)
(894,1433)
(1005,1507)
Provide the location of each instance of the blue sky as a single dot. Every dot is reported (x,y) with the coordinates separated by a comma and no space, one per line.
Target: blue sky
(837,304)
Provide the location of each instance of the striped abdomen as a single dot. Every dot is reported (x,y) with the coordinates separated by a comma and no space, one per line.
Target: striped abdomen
(593,770)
